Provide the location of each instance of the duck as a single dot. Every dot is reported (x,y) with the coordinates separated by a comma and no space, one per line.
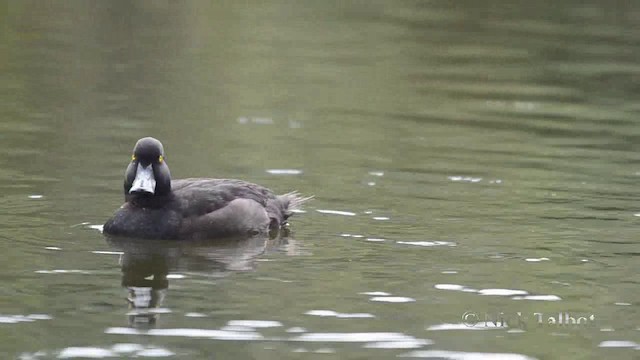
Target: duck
(157,207)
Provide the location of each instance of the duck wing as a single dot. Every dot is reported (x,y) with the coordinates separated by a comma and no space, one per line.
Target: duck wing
(199,196)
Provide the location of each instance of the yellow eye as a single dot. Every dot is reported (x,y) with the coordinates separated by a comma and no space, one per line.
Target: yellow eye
(160,159)
(133,157)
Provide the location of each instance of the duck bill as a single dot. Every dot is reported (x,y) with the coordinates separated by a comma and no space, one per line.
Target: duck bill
(144,181)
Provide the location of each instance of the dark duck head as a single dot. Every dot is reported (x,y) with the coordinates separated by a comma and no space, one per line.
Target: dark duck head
(147,178)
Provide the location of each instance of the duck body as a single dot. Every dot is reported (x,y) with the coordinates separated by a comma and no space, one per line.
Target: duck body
(157,207)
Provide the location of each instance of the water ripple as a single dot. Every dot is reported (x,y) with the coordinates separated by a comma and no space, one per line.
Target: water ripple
(188,332)
(96,227)
(157,352)
(85,352)
(354,337)
(515,294)
(392,299)
(195,315)
(404,344)
(464,179)
(255,323)
(618,344)
(14,319)
(461,355)
(336,212)
(538,297)
(105,252)
(427,243)
(296,329)
(62,271)
(502,292)
(331,313)
(375,293)
(94,352)
(284,171)
(455,287)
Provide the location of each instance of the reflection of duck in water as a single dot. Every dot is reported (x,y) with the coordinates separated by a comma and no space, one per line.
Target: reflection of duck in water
(157,207)
(146,264)
(144,275)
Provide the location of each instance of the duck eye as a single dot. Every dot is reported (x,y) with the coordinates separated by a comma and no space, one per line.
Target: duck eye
(160,159)
(133,157)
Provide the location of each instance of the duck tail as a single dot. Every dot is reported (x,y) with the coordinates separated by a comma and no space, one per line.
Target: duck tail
(295,200)
(292,202)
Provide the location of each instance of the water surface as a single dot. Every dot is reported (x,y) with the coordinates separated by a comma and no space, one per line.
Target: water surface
(474,166)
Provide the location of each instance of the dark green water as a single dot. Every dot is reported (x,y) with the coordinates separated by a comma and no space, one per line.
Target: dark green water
(452,147)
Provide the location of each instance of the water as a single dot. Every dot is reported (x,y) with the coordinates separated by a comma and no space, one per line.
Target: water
(474,166)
